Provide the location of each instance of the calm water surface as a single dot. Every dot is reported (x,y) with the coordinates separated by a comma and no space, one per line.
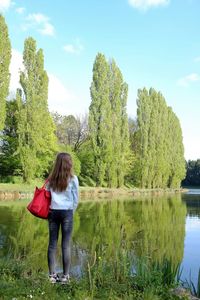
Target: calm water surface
(156,227)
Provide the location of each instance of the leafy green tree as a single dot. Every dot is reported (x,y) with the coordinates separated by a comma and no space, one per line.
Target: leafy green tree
(159,152)
(193,173)
(115,86)
(5,56)
(163,149)
(177,161)
(126,156)
(86,157)
(100,124)
(9,158)
(37,141)
(118,89)
(132,174)
(108,123)
(143,120)
(133,127)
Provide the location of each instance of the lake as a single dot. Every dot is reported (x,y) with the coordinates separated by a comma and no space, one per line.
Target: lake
(154,227)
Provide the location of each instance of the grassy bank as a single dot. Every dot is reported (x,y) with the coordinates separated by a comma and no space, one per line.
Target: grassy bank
(101,280)
(19,191)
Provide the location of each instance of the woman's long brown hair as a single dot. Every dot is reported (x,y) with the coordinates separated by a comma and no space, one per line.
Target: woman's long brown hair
(61,173)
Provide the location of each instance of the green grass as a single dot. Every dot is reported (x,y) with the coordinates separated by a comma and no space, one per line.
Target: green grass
(102,279)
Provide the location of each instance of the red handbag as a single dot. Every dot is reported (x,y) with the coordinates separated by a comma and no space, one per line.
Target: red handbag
(40,204)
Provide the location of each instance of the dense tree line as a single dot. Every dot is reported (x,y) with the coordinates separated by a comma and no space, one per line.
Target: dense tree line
(192,173)
(159,148)
(108,148)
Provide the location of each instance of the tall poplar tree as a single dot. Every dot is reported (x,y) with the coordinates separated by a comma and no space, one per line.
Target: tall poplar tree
(120,132)
(115,91)
(143,120)
(176,157)
(36,131)
(5,56)
(160,153)
(126,157)
(108,123)
(100,124)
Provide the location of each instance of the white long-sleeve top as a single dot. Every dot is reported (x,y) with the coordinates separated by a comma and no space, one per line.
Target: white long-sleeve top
(67,199)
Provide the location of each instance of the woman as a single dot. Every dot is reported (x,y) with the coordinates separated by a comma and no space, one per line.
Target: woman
(64,200)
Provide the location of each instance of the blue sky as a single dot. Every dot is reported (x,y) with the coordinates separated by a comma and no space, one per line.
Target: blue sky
(154,42)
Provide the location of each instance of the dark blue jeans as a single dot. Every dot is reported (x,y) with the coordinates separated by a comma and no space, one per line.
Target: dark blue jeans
(57,218)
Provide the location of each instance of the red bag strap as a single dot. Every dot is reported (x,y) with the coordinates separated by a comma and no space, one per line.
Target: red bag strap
(45,183)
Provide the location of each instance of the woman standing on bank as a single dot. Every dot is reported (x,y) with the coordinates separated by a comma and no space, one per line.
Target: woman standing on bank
(63,186)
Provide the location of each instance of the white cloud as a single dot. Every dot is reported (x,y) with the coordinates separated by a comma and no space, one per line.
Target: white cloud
(146,4)
(20,10)
(60,99)
(41,22)
(75,48)
(185,81)
(4,5)
(48,29)
(37,18)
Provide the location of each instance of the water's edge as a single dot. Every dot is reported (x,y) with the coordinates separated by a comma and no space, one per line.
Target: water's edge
(97,193)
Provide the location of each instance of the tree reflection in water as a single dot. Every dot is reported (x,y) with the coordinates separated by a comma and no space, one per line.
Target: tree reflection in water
(152,227)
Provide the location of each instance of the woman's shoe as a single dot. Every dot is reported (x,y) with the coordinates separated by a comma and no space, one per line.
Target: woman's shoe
(64,279)
(53,278)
